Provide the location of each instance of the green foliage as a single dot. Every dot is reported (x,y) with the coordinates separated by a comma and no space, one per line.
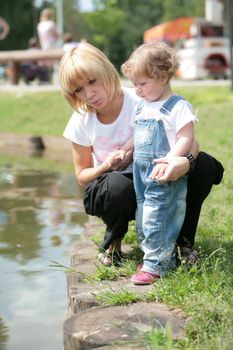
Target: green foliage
(116,297)
(182,8)
(22,18)
(203,293)
(131,236)
(74,21)
(157,338)
(103,23)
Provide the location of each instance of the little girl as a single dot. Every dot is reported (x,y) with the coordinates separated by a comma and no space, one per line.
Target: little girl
(163,128)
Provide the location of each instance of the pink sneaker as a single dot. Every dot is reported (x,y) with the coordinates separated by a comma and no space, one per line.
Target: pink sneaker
(141,278)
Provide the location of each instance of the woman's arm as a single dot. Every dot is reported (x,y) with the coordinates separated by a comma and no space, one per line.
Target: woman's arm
(83,164)
(178,166)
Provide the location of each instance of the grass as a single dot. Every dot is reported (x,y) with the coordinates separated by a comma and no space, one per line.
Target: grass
(43,113)
(203,292)
(119,297)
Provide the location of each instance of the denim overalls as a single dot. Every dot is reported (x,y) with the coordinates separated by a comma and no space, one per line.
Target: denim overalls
(160,207)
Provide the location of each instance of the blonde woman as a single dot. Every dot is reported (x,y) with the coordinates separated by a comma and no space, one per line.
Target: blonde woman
(47,30)
(101,124)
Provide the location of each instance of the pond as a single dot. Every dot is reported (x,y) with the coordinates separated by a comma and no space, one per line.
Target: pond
(41,215)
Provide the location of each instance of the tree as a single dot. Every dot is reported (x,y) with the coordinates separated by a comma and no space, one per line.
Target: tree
(181,8)
(21,16)
(138,17)
(103,23)
(74,22)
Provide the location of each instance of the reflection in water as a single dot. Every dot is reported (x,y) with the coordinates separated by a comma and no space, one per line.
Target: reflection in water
(40,215)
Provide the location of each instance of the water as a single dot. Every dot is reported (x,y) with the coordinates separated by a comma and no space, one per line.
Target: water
(41,215)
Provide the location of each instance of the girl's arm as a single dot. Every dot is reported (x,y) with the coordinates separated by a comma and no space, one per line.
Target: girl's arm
(184,142)
(182,146)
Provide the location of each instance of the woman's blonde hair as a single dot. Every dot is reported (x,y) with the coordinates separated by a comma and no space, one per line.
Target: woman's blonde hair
(153,60)
(46,14)
(81,64)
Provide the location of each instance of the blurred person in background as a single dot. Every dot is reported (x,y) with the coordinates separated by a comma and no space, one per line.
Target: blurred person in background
(68,42)
(47,30)
(32,70)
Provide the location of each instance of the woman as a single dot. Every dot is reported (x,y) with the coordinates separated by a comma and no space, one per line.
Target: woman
(47,30)
(100,125)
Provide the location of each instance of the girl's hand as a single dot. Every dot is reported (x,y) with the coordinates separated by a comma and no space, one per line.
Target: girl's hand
(175,168)
(159,171)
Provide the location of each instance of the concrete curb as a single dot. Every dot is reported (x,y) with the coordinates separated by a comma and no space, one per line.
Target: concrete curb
(90,325)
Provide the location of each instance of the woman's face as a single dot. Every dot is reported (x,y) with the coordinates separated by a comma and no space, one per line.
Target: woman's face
(93,94)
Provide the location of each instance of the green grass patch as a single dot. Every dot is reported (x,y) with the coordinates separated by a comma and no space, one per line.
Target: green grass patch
(116,297)
(42,113)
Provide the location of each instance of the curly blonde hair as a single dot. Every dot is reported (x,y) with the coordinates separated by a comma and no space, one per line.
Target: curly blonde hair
(154,60)
(81,64)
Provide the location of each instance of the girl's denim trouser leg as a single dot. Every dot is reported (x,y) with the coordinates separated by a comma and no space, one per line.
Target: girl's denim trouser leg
(159,216)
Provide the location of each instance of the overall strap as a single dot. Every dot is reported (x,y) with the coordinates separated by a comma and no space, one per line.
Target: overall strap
(169,104)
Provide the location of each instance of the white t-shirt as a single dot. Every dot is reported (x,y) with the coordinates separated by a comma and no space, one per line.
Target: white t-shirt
(48,35)
(180,115)
(87,130)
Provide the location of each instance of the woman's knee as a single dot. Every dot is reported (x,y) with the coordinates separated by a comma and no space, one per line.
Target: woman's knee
(121,188)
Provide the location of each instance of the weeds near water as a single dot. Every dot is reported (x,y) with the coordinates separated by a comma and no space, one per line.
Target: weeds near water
(59,267)
(84,276)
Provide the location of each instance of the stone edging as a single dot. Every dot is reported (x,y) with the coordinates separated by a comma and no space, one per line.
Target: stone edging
(89,325)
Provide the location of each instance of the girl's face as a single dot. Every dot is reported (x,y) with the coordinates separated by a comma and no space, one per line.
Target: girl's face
(93,94)
(149,89)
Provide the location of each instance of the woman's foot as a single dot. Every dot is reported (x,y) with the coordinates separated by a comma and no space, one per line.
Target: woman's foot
(113,255)
(108,259)
(104,259)
(188,254)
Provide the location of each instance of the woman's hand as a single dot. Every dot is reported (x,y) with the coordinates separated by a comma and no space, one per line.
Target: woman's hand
(114,158)
(124,162)
(176,167)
